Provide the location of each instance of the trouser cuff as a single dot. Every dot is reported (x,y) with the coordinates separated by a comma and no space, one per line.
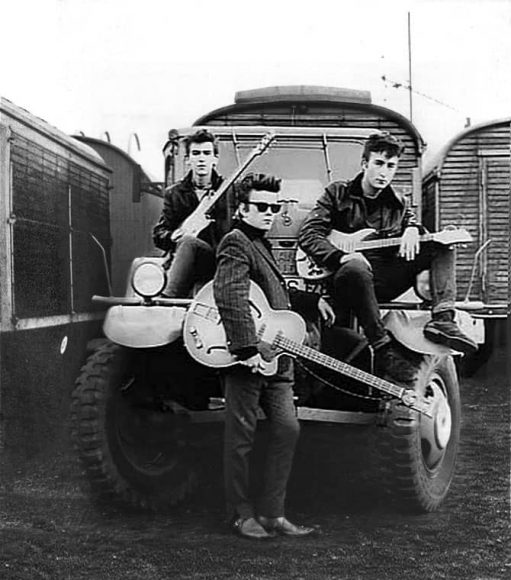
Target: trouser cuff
(443,308)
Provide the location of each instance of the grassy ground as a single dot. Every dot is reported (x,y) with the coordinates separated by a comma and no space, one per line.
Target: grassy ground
(50,529)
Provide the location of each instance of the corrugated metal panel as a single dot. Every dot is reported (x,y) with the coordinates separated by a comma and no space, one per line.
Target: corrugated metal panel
(46,242)
(474,193)
(131,223)
(43,133)
(321,115)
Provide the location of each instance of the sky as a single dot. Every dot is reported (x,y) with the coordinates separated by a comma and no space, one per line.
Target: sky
(146,66)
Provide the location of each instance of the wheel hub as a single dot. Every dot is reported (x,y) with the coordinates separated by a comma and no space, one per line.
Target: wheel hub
(436,431)
(151,440)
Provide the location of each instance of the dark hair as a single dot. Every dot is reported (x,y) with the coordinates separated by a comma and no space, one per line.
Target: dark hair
(201,136)
(382,142)
(257,181)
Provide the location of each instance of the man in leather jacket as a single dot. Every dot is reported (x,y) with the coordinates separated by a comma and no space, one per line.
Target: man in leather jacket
(192,259)
(360,280)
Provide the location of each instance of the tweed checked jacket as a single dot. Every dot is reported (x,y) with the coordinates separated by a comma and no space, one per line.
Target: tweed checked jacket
(244,255)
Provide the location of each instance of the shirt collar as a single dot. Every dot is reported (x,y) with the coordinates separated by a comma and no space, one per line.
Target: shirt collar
(251,232)
(387,193)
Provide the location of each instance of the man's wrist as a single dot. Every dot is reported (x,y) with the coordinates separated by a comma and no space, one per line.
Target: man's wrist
(245,352)
(334,259)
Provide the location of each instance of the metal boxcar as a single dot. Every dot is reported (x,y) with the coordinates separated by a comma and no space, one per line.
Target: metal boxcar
(468,184)
(135,206)
(53,195)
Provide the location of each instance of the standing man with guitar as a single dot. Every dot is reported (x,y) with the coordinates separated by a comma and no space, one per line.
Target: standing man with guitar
(360,280)
(244,255)
(193,257)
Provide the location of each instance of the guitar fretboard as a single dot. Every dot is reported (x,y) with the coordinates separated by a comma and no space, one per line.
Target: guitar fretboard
(207,202)
(338,366)
(211,313)
(388,242)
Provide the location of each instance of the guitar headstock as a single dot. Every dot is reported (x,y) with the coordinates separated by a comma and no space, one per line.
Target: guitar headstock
(264,143)
(453,236)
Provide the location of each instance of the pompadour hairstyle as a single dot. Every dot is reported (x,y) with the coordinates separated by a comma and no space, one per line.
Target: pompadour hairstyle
(257,182)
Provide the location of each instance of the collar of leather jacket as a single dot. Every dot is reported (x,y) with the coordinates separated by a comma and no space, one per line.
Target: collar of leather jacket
(216,180)
(353,190)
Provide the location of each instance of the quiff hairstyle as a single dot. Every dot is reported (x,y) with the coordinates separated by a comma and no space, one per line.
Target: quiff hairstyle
(201,136)
(382,142)
(257,182)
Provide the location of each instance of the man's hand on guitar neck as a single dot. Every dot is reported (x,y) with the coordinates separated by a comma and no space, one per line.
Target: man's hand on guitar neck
(410,244)
(176,235)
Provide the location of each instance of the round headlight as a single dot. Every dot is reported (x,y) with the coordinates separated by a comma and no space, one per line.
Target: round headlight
(149,279)
(423,286)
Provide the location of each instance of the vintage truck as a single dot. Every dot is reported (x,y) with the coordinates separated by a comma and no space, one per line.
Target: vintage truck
(142,404)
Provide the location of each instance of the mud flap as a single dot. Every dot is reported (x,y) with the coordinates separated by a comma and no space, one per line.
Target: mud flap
(406,326)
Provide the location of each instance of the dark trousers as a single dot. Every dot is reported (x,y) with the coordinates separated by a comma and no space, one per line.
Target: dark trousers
(359,288)
(193,261)
(244,393)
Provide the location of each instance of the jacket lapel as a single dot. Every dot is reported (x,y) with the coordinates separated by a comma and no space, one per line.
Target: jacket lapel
(259,246)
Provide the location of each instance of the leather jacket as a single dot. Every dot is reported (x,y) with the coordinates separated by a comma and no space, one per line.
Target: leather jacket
(179,201)
(342,207)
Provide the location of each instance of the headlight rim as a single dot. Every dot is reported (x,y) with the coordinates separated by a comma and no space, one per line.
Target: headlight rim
(158,288)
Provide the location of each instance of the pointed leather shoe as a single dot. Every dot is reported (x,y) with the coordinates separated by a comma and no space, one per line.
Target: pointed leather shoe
(284,527)
(448,333)
(251,528)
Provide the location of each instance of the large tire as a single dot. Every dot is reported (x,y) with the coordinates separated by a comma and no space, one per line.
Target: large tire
(419,453)
(130,451)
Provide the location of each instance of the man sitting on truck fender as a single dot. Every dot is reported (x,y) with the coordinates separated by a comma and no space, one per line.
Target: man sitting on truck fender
(360,280)
(192,258)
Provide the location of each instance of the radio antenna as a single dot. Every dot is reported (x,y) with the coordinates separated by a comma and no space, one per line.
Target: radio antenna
(410,66)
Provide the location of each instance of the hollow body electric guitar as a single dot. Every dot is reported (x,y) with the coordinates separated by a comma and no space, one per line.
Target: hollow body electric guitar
(279,332)
(357,242)
(199,219)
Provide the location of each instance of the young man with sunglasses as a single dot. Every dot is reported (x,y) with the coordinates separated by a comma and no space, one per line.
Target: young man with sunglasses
(243,255)
(360,280)
(192,258)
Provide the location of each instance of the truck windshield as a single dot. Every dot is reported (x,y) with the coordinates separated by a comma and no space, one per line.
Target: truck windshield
(304,163)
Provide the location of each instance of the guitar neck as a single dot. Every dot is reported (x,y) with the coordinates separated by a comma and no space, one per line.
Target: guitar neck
(209,201)
(327,361)
(388,242)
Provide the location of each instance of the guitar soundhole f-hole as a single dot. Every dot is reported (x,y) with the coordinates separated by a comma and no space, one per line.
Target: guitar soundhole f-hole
(258,313)
(216,347)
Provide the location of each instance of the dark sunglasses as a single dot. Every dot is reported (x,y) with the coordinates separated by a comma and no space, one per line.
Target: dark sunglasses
(262,206)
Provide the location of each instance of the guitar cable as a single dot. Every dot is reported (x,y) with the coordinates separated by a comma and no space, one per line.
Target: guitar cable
(333,386)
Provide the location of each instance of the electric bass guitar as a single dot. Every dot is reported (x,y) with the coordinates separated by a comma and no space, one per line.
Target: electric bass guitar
(279,332)
(357,241)
(199,219)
